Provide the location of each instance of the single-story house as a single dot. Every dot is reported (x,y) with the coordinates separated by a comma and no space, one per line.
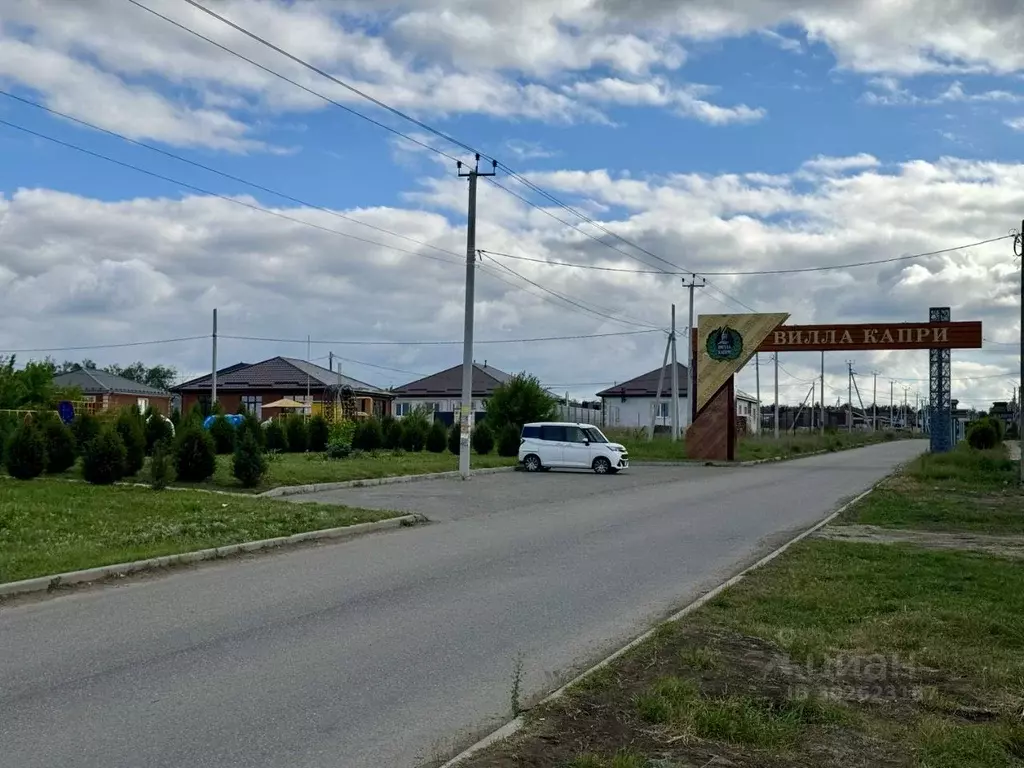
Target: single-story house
(631,403)
(256,384)
(103,391)
(442,392)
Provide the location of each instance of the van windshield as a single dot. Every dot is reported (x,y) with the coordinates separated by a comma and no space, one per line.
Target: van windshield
(594,435)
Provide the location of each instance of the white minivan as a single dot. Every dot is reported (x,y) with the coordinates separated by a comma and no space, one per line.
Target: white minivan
(543,445)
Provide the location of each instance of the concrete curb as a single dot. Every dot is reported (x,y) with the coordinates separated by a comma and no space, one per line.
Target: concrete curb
(513,726)
(50,583)
(732,464)
(295,490)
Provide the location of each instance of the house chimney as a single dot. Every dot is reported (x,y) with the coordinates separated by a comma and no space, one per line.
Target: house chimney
(485,362)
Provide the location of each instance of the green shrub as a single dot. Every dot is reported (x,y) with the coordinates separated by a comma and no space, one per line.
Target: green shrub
(338,449)
(298,434)
(157,429)
(25,452)
(60,446)
(342,431)
(508,441)
(319,433)
(455,439)
(368,435)
(276,436)
(520,400)
(437,438)
(249,464)
(252,425)
(85,427)
(391,432)
(195,457)
(196,415)
(176,417)
(223,434)
(982,435)
(129,427)
(104,457)
(483,439)
(999,427)
(160,465)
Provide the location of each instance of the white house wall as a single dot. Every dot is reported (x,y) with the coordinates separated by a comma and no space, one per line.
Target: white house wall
(637,411)
(444,405)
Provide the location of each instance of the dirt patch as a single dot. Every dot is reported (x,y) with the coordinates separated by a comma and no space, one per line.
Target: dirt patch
(1002,546)
(603,716)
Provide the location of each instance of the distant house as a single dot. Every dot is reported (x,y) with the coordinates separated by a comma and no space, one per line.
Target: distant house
(441,392)
(631,403)
(104,391)
(258,384)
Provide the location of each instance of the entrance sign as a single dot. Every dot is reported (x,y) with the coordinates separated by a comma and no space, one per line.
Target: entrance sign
(817,338)
(726,343)
(722,344)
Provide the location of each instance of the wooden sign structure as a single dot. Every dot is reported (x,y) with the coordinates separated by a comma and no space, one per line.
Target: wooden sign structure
(722,344)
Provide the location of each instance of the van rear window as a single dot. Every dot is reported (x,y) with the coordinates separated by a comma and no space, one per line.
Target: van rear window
(531,432)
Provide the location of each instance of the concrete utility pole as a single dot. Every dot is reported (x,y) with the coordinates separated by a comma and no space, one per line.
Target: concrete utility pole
(675,380)
(1018,250)
(917,411)
(657,396)
(776,356)
(874,402)
(849,403)
(824,415)
(691,373)
(891,383)
(330,361)
(466,414)
(213,380)
(757,391)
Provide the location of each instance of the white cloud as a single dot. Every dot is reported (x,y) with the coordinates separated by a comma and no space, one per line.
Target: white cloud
(837,165)
(658,92)
(1017,123)
(109,271)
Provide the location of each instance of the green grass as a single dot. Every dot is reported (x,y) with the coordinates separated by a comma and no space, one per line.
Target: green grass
(51,526)
(307,468)
(964,490)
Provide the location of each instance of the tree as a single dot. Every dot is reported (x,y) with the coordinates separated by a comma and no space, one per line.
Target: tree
(483,439)
(103,459)
(391,432)
(277,438)
(298,433)
(437,437)
(368,435)
(25,452)
(319,433)
(518,401)
(60,446)
(508,441)
(129,427)
(249,464)
(982,435)
(157,429)
(85,427)
(223,434)
(252,425)
(455,439)
(195,457)
(416,428)
(159,376)
(160,465)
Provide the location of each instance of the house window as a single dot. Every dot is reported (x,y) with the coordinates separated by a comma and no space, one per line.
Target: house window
(253,404)
(663,410)
(403,409)
(142,403)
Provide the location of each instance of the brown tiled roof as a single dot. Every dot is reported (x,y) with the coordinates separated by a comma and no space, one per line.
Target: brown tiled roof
(448,383)
(278,373)
(646,385)
(96,382)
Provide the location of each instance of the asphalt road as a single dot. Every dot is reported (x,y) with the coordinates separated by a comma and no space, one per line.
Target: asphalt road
(388,650)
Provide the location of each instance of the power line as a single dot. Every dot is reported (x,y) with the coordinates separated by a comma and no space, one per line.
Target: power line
(405,116)
(105,346)
(740,273)
(226,175)
(253,206)
(430,343)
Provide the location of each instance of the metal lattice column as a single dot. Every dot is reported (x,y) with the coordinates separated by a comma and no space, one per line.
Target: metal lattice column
(940,390)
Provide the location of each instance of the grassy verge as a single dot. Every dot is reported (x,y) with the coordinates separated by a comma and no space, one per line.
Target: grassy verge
(50,526)
(965,490)
(750,448)
(835,655)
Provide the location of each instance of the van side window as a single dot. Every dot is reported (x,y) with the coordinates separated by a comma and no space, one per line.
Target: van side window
(533,432)
(554,434)
(575,435)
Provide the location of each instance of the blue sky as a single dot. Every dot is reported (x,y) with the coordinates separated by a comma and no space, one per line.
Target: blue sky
(881,136)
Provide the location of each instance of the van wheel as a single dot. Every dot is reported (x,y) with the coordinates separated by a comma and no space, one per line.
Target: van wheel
(532,463)
(602,466)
